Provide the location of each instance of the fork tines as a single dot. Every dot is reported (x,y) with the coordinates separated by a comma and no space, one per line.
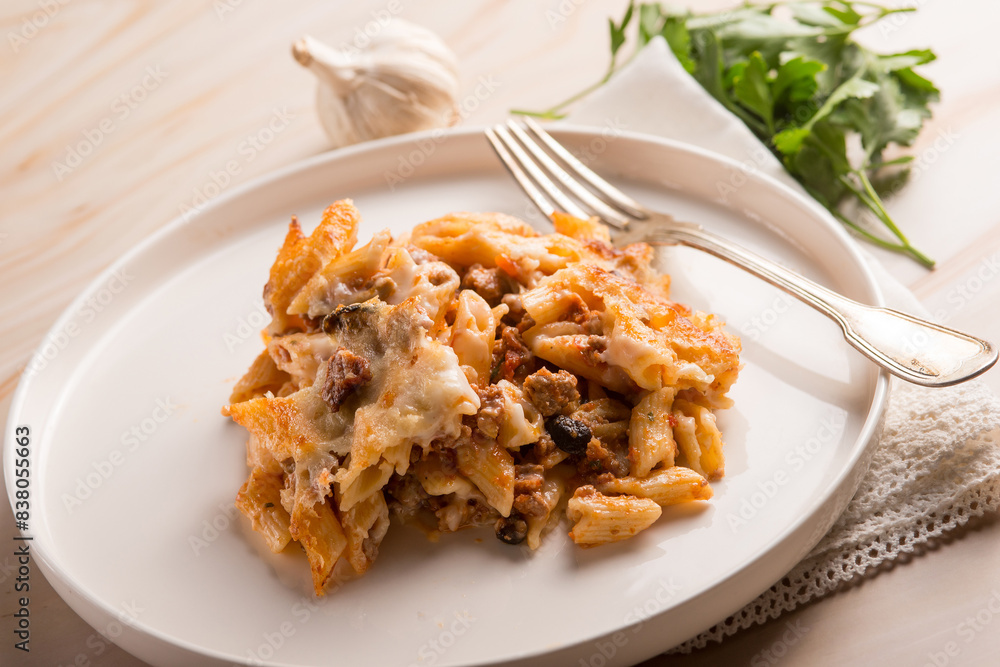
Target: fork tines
(550,185)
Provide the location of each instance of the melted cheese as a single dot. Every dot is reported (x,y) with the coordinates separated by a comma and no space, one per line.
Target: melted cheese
(432,284)
(521,424)
(418,391)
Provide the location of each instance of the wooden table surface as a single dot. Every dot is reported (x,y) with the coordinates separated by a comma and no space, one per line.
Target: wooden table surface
(113,115)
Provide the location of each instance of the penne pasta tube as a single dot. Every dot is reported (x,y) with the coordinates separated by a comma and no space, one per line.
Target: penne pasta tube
(259,499)
(704,437)
(491,469)
(651,433)
(668,486)
(474,334)
(364,526)
(599,519)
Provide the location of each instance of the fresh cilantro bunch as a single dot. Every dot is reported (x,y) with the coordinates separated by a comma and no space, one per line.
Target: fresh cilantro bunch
(794,75)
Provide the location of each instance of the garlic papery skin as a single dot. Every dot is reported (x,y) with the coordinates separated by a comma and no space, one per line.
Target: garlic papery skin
(405,80)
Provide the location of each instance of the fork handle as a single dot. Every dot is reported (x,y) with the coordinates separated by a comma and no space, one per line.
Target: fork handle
(916,350)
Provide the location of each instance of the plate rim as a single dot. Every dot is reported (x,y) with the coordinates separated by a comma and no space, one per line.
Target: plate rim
(863,445)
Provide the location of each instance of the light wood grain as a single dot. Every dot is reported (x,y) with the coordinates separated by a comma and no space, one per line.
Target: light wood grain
(225,71)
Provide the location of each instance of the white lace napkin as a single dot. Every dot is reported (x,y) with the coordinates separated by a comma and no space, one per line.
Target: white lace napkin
(938,462)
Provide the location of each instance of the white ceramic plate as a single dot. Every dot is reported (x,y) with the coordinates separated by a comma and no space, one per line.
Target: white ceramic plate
(135,471)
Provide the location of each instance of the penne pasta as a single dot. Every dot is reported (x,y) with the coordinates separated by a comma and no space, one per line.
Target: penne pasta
(491,469)
(473,373)
(703,439)
(316,528)
(473,335)
(590,229)
(364,526)
(263,376)
(301,257)
(260,501)
(667,486)
(650,432)
(599,519)
(342,279)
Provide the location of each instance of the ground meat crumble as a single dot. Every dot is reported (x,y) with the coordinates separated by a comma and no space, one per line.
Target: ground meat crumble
(552,393)
(345,373)
(491,284)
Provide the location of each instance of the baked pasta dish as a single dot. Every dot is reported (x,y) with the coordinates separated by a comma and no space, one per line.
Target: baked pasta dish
(474,372)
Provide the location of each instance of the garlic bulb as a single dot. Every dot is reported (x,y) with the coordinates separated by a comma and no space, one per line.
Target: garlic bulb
(405,80)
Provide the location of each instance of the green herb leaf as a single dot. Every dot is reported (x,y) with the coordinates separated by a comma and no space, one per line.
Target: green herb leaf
(618,31)
(855,87)
(820,17)
(679,39)
(796,80)
(649,22)
(820,162)
(759,31)
(830,52)
(898,61)
(844,13)
(788,142)
(753,90)
(801,83)
(708,64)
(917,83)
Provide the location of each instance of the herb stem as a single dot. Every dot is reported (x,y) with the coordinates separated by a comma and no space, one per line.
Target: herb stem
(555,113)
(871,238)
(870,198)
(877,201)
(771,6)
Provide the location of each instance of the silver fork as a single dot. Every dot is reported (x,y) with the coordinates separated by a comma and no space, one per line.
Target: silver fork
(885,336)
